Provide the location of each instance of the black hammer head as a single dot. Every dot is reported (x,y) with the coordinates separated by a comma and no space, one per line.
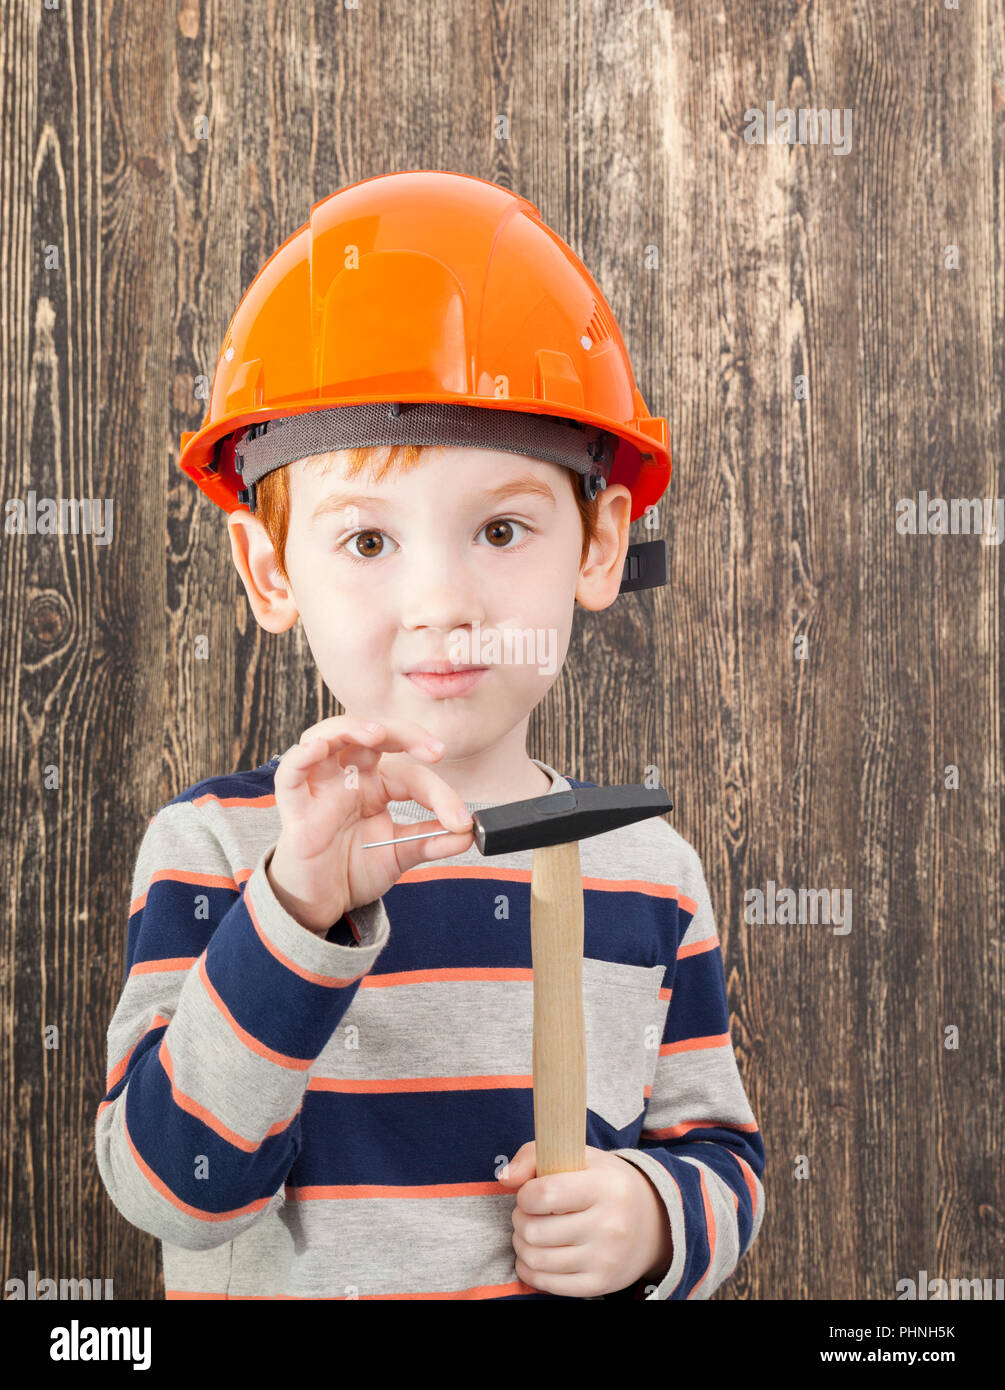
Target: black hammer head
(557,818)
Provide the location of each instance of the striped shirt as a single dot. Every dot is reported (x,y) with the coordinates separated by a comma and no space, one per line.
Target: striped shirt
(304,1117)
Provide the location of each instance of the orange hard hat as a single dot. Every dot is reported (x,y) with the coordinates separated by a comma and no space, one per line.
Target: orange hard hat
(432,287)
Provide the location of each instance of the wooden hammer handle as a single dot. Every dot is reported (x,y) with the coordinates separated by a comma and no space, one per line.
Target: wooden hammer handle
(556,931)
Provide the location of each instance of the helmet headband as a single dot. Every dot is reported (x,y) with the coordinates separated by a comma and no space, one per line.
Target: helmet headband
(586,449)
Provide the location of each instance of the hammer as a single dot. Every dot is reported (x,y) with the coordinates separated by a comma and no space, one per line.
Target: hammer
(552,826)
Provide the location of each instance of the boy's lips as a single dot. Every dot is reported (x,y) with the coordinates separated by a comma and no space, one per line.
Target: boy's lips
(440,679)
(442,668)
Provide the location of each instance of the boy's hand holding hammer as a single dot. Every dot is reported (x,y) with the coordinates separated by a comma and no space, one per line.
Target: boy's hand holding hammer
(318,870)
(587,1233)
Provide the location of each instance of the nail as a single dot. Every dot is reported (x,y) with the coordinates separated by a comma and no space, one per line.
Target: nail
(435,744)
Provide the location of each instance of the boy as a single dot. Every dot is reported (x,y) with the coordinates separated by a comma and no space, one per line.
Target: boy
(320,1068)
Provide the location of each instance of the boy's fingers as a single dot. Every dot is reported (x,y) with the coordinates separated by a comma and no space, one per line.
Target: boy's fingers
(310,766)
(313,761)
(408,781)
(395,735)
(293,773)
(368,745)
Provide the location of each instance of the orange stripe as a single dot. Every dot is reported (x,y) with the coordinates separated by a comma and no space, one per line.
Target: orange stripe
(390,1085)
(251,1043)
(328,981)
(184,876)
(447,974)
(260,801)
(155,967)
(458,974)
(695,948)
(428,873)
(709,1231)
(750,1178)
(421,874)
(479,1291)
(678,1131)
(119,1070)
(161,1187)
(192,1107)
(694,1044)
(368,1190)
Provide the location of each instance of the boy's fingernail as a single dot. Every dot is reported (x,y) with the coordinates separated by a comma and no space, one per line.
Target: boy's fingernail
(504,1172)
(435,744)
(371,725)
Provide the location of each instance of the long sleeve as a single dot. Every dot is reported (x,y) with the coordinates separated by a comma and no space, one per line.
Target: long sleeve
(700,1145)
(226,1004)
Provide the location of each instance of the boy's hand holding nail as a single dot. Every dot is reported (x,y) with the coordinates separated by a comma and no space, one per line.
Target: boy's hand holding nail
(332,793)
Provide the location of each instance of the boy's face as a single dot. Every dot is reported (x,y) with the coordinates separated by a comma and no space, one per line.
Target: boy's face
(429,566)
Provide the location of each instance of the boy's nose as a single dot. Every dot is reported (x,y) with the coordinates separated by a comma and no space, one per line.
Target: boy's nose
(439,596)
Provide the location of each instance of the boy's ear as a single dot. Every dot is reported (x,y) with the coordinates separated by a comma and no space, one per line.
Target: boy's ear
(600,578)
(268,592)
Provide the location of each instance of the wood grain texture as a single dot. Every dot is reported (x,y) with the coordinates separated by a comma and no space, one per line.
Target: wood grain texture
(732,269)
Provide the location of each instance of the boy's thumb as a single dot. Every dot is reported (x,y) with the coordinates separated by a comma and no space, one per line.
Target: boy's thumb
(520,1166)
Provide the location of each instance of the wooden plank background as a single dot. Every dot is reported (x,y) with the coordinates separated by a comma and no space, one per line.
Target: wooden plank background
(733,268)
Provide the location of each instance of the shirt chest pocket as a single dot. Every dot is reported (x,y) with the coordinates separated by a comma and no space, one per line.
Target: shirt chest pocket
(623,1018)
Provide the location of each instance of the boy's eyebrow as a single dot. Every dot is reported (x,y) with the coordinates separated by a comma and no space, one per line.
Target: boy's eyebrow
(528,483)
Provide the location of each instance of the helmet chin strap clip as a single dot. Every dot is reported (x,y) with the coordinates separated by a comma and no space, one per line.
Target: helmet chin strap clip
(593,484)
(595,478)
(248,495)
(645,561)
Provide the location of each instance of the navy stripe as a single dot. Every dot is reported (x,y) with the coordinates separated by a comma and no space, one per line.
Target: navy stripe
(698,1006)
(180,1148)
(180,933)
(252,782)
(400,1138)
(278,1007)
(488,925)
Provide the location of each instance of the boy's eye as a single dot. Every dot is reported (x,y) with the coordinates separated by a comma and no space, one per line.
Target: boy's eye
(368,545)
(501,532)
(372,543)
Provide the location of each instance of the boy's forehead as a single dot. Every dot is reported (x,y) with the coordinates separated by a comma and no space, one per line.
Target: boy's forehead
(468,470)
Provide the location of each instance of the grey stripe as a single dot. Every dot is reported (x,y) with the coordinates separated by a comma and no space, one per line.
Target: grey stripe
(359,1248)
